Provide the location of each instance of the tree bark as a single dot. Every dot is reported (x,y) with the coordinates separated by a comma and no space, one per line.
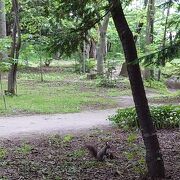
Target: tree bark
(15,47)
(164,40)
(92,50)
(2,19)
(101,51)
(148,73)
(138,31)
(2,26)
(153,155)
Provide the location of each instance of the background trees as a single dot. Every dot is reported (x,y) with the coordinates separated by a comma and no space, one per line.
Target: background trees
(73,30)
(2,19)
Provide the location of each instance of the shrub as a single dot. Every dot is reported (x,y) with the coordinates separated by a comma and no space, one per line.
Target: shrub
(163,117)
(90,65)
(106,82)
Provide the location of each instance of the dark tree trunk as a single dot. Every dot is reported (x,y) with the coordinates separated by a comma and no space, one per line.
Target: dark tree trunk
(92,51)
(15,47)
(153,155)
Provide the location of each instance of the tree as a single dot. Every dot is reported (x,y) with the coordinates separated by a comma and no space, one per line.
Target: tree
(137,33)
(149,33)
(2,25)
(15,47)
(2,19)
(153,155)
(101,51)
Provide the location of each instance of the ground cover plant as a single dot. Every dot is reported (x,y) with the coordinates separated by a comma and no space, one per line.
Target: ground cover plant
(65,156)
(167,116)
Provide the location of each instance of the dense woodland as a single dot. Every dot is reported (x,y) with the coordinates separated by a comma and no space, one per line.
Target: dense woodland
(67,56)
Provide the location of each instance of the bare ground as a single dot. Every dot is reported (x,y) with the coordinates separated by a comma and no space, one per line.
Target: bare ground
(65,157)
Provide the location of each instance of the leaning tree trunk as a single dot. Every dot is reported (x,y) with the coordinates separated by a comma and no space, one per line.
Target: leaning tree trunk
(101,51)
(15,47)
(153,155)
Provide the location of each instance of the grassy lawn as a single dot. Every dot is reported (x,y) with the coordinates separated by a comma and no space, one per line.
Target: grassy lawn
(66,94)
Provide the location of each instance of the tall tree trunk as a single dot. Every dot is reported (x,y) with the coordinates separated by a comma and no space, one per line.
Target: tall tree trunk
(153,155)
(92,50)
(2,26)
(165,29)
(15,47)
(164,38)
(123,71)
(149,33)
(2,19)
(101,51)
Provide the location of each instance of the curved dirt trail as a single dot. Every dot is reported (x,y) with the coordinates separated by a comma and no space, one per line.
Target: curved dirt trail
(18,126)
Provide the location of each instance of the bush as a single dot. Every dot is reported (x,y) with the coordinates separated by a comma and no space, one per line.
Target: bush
(163,117)
(90,65)
(106,82)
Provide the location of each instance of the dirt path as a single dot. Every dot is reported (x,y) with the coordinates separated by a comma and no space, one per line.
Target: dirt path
(62,123)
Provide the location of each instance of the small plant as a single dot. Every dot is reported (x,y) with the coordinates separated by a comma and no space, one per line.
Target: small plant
(159,85)
(55,140)
(163,117)
(77,153)
(25,149)
(90,64)
(3,153)
(106,82)
(68,138)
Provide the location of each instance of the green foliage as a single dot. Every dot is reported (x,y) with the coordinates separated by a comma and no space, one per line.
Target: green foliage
(163,117)
(24,149)
(89,65)
(103,81)
(162,56)
(77,153)
(3,153)
(159,85)
(4,66)
(68,138)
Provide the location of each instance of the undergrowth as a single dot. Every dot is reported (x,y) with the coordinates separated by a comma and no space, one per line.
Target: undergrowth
(163,117)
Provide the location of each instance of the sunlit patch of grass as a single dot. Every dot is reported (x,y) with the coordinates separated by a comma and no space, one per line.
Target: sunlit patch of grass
(53,76)
(117,92)
(53,96)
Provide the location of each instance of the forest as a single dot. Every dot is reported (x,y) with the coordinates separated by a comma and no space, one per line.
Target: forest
(90,89)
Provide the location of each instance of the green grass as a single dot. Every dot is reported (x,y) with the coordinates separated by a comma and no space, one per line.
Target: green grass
(65,92)
(54,96)
(117,92)
(53,76)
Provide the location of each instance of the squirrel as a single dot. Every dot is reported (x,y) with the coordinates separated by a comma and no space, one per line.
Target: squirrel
(100,156)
